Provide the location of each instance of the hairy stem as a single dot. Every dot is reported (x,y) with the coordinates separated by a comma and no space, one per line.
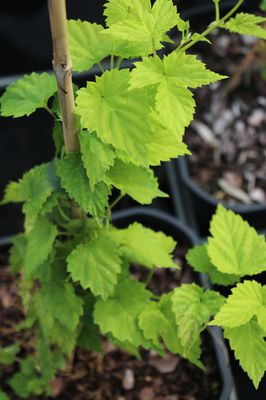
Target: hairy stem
(63,71)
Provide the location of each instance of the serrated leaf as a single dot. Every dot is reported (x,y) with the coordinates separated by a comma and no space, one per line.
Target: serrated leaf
(58,137)
(39,244)
(17,252)
(3,395)
(35,188)
(75,181)
(248,300)
(140,22)
(193,308)
(117,115)
(163,144)
(96,265)
(119,314)
(246,24)
(176,106)
(57,305)
(12,193)
(248,343)
(145,247)
(176,69)
(97,157)
(138,182)
(235,247)
(27,94)
(8,354)
(200,261)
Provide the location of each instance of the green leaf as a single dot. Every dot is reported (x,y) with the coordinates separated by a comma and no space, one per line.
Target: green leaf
(48,360)
(12,193)
(138,182)
(39,245)
(176,106)
(193,308)
(35,188)
(3,396)
(119,314)
(246,24)
(56,305)
(96,265)
(58,137)
(17,252)
(235,247)
(117,115)
(27,382)
(87,45)
(97,157)
(248,300)
(198,258)
(140,23)
(164,144)
(248,343)
(27,94)
(75,181)
(145,247)
(8,354)
(176,69)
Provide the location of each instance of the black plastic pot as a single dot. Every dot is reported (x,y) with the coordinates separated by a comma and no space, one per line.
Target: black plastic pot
(199,206)
(161,221)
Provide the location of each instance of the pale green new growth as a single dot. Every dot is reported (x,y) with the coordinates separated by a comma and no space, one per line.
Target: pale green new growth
(243,317)
(27,94)
(144,246)
(138,182)
(96,265)
(198,258)
(235,247)
(247,24)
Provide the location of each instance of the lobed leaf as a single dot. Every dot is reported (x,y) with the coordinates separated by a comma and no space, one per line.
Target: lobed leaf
(246,24)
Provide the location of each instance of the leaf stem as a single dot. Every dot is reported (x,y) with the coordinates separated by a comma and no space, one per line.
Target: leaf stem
(119,61)
(217,10)
(116,201)
(63,214)
(149,277)
(213,26)
(45,106)
(100,67)
(112,60)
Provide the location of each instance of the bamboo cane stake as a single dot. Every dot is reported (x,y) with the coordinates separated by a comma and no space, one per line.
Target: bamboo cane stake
(62,66)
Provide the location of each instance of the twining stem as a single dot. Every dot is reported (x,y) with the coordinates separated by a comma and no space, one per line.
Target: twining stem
(63,71)
(213,26)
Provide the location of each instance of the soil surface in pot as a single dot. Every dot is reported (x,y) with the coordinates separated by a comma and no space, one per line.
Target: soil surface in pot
(117,375)
(228,137)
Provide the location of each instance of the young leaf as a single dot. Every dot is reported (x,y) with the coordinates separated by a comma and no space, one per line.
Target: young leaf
(235,247)
(248,343)
(76,183)
(8,354)
(138,182)
(193,308)
(39,245)
(246,24)
(176,69)
(140,23)
(12,193)
(27,94)
(198,258)
(57,304)
(117,115)
(97,157)
(119,314)
(95,265)
(248,300)
(35,188)
(17,252)
(144,246)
